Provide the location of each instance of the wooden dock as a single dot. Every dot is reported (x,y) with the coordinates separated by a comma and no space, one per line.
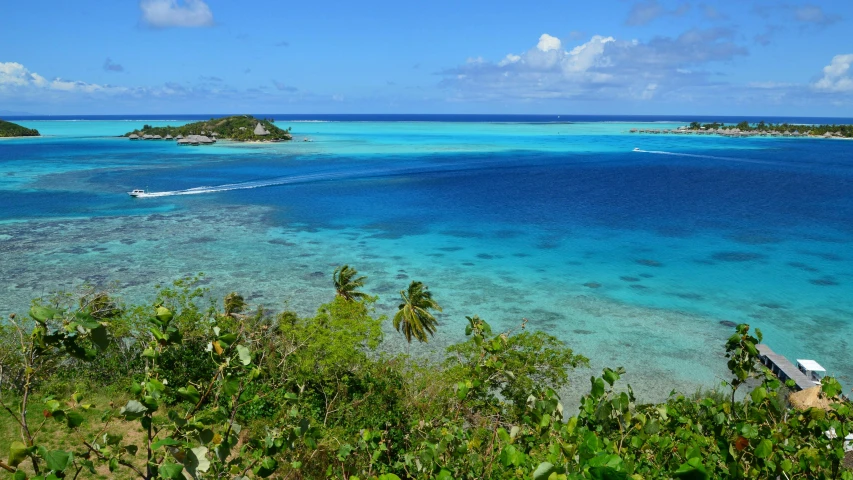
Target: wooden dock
(783,368)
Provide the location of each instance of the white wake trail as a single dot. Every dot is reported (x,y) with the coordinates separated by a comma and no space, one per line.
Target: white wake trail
(712,157)
(262,183)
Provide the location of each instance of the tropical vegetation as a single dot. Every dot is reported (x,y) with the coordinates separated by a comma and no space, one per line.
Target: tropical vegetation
(762,126)
(237,127)
(9,129)
(187,387)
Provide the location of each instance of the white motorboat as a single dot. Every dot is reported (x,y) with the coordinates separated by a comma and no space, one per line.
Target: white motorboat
(636,149)
(136,193)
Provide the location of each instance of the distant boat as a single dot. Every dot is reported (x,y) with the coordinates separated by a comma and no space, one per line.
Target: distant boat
(136,193)
(636,149)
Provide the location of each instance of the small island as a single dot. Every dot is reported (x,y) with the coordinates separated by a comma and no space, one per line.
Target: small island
(240,128)
(9,129)
(760,129)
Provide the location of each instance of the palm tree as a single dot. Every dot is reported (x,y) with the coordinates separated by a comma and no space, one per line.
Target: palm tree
(347,284)
(234,304)
(413,319)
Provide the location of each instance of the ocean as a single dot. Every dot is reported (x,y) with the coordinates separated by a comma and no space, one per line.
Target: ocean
(635,259)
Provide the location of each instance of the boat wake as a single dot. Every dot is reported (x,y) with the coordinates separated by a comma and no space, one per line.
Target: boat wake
(712,157)
(316,177)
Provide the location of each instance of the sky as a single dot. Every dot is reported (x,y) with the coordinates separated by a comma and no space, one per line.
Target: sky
(616,57)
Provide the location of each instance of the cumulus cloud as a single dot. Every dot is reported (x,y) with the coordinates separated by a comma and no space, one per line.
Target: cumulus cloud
(14,76)
(111,66)
(642,13)
(602,67)
(548,43)
(837,76)
(172,13)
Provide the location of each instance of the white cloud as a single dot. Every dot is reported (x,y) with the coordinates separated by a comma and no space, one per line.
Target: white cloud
(837,75)
(590,54)
(16,75)
(510,58)
(548,43)
(171,13)
(602,67)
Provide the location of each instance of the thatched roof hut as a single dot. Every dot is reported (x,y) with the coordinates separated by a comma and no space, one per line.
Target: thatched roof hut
(168,137)
(136,137)
(260,130)
(809,398)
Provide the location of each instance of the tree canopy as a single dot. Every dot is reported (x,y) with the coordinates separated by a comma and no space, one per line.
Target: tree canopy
(9,129)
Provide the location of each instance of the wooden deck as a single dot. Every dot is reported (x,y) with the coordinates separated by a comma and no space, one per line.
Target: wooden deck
(783,368)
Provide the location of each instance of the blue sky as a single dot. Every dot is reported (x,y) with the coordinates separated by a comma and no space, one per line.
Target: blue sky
(606,57)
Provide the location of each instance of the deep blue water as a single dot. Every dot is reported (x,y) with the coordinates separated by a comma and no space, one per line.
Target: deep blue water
(633,257)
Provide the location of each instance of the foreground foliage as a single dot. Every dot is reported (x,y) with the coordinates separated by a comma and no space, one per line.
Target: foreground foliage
(215,392)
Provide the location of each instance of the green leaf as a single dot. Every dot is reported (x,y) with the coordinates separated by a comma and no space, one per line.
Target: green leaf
(245,354)
(749,431)
(597,387)
(86,320)
(543,470)
(43,314)
(266,467)
(764,448)
(388,476)
(444,474)
(692,470)
(133,410)
(607,473)
(172,471)
(231,387)
(197,461)
(99,337)
(74,419)
(171,442)
(20,475)
(57,460)
(163,314)
(610,376)
(17,453)
(189,394)
(758,394)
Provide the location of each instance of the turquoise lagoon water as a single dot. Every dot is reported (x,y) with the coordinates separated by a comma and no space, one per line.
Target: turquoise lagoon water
(633,258)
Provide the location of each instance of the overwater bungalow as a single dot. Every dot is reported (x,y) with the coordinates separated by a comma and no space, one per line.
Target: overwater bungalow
(168,137)
(136,137)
